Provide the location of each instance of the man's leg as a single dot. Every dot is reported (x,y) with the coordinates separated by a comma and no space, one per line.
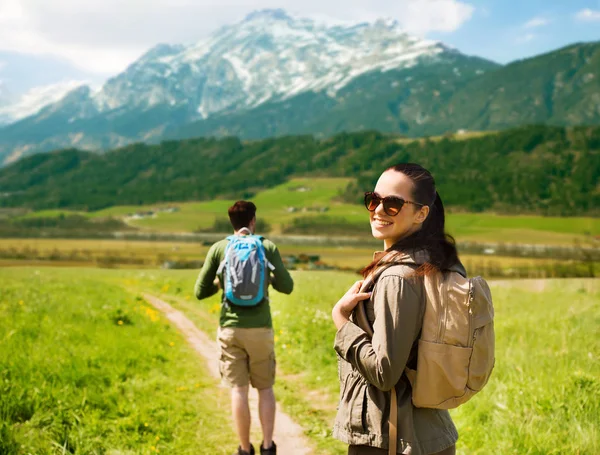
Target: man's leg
(261,352)
(241,415)
(266,413)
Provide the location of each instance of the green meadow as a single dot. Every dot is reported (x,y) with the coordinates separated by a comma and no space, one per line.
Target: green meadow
(88,368)
(317,200)
(544,395)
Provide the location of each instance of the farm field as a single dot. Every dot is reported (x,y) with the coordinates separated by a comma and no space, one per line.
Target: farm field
(317,199)
(64,324)
(154,254)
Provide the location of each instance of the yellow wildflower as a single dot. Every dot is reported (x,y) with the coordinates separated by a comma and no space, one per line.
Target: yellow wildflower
(120,323)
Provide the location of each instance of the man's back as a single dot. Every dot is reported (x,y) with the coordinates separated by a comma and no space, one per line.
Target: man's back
(234,315)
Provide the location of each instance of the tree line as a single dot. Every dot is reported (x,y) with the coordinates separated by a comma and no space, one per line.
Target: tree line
(533,169)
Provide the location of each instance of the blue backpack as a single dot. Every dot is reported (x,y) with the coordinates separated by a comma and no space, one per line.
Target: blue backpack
(246,270)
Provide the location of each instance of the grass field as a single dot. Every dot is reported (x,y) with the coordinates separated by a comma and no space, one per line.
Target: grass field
(544,395)
(87,368)
(310,195)
(85,365)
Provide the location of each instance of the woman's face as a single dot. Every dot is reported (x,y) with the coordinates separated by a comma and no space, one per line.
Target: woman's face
(388,228)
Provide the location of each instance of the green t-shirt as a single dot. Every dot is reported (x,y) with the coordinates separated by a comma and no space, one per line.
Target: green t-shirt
(234,315)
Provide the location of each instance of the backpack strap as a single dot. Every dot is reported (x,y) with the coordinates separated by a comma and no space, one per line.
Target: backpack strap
(224,261)
(393,422)
(387,260)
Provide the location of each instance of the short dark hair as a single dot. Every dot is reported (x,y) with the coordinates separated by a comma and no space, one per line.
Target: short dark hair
(241,213)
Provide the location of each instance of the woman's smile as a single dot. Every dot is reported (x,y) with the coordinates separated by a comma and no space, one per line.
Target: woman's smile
(381,223)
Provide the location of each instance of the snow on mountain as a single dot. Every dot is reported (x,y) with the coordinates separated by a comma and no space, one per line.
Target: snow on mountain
(34,100)
(268,56)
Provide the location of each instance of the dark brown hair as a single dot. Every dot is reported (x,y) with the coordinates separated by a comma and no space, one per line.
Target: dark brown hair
(432,236)
(241,213)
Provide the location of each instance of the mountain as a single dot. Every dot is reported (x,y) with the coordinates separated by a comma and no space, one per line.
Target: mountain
(535,169)
(6,99)
(274,75)
(558,88)
(13,108)
(269,57)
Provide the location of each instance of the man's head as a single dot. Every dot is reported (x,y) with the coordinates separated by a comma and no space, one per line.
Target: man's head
(242,214)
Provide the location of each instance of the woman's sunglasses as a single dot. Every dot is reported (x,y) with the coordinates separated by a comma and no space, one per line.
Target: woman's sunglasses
(391,204)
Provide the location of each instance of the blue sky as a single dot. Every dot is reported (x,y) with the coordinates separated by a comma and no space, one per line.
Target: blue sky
(505,31)
(45,42)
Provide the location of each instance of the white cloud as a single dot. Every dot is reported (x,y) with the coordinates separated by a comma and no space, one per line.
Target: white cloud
(23,31)
(438,15)
(104,36)
(536,22)
(525,38)
(588,15)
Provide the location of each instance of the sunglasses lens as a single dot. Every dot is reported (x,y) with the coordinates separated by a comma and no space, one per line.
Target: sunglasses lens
(390,210)
(392,206)
(371,201)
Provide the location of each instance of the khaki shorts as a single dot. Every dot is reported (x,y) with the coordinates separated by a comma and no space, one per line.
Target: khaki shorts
(247,356)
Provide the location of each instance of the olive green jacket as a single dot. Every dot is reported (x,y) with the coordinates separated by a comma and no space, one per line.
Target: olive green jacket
(369,368)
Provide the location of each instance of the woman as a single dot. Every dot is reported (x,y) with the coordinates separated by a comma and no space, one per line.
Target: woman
(408,215)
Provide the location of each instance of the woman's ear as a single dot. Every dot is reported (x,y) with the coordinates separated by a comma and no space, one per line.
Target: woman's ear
(422,215)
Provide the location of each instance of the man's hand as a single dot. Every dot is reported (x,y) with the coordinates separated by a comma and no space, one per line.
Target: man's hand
(343,308)
(217,283)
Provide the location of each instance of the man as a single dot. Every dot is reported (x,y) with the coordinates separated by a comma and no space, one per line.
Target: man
(245,335)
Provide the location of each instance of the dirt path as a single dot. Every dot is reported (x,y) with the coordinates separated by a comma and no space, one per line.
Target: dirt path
(288,434)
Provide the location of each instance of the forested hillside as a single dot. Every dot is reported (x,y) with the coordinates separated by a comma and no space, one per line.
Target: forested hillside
(535,169)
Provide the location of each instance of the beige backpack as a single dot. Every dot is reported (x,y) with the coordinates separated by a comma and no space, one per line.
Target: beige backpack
(456,347)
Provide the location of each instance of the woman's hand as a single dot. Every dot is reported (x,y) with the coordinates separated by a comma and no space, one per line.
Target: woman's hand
(343,308)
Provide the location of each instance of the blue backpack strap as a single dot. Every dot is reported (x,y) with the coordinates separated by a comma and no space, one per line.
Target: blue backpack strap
(223,262)
(267,262)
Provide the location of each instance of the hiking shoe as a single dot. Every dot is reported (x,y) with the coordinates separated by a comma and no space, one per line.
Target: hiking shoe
(270,451)
(243,452)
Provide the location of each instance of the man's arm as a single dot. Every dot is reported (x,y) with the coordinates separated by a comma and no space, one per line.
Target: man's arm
(205,284)
(282,280)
